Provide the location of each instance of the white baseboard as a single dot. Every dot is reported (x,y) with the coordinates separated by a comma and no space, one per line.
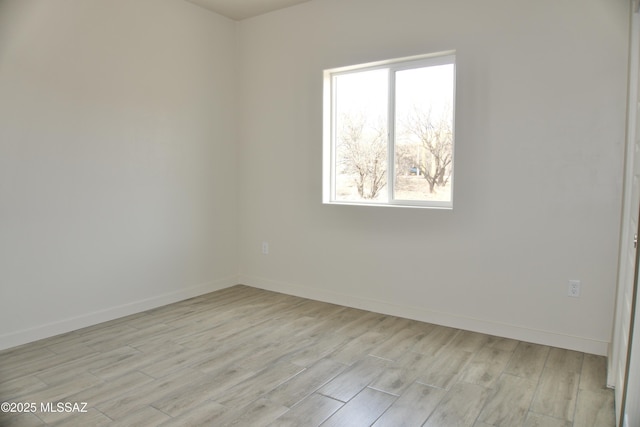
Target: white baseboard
(47,330)
(489,327)
(520,333)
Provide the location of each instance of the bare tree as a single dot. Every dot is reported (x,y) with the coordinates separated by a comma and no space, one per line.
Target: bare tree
(362,152)
(436,139)
(406,159)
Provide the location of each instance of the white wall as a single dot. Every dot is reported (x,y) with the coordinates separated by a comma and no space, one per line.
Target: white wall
(117,160)
(539,147)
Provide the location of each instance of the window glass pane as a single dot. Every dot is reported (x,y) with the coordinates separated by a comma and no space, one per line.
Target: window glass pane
(361,147)
(424,133)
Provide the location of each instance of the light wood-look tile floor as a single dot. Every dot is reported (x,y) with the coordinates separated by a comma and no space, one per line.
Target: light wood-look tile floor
(247,357)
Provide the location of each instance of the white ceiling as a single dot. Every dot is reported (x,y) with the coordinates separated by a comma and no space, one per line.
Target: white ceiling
(242,9)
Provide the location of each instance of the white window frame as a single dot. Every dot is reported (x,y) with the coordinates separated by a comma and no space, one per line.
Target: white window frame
(329,131)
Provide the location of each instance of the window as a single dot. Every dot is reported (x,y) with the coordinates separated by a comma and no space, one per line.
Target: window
(388,132)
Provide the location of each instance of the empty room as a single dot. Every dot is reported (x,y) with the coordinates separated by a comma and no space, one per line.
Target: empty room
(319,212)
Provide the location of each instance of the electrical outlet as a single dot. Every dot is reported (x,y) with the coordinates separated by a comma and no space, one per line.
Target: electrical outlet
(265,248)
(574,288)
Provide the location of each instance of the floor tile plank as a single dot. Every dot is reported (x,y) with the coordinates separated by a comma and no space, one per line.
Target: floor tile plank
(412,408)
(312,411)
(92,418)
(528,360)
(399,344)
(259,414)
(460,406)
(435,340)
(259,384)
(358,347)
(595,408)
(445,369)
(594,373)
(351,382)
(306,382)
(538,420)
(146,416)
(558,389)
(509,404)
(486,366)
(206,387)
(135,399)
(20,420)
(362,410)
(399,375)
